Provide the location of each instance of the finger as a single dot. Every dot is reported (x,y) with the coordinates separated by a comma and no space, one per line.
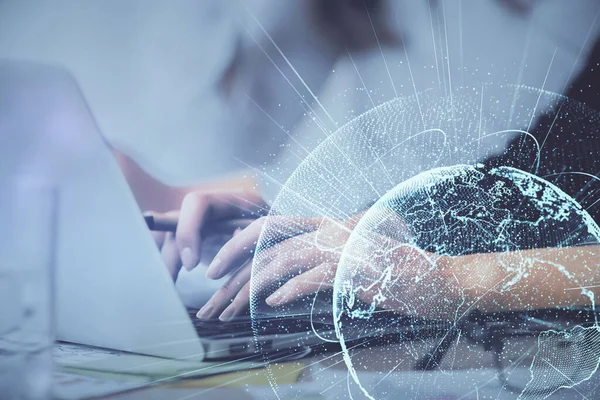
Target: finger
(192,217)
(312,281)
(236,251)
(224,295)
(170,255)
(286,266)
(159,238)
(197,209)
(242,246)
(239,305)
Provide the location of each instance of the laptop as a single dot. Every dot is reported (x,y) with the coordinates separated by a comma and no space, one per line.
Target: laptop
(112,288)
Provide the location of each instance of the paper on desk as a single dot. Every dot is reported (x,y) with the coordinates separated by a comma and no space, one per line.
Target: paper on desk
(286,373)
(94,359)
(71,354)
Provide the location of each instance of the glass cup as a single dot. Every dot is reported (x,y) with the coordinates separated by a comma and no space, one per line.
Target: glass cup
(27,233)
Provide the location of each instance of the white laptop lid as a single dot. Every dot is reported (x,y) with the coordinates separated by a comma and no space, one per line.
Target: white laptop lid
(112,288)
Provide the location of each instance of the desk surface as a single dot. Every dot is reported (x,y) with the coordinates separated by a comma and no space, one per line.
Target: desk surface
(467,372)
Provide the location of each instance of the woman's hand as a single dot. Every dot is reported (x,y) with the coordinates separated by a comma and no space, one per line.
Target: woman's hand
(199,208)
(306,247)
(303,259)
(385,272)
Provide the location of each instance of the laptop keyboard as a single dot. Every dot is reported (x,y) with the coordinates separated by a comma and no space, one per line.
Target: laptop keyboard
(268,325)
(381,324)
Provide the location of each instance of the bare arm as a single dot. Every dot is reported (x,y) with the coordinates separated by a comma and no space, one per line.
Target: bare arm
(152,194)
(530,279)
(412,281)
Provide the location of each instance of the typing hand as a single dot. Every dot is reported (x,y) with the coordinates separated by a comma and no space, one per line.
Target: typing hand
(397,276)
(303,259)
(301,251)
(200,208)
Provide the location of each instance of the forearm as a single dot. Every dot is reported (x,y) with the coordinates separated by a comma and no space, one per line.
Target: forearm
(530,279)
(154,195)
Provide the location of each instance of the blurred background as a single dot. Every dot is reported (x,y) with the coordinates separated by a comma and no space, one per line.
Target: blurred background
(195,91)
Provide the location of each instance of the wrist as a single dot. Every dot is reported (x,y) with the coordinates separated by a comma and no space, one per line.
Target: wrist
(478,281)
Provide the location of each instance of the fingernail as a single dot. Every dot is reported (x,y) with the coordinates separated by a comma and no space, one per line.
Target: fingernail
(228,314)
(276,299)
(205,311)
(214,269)
(188,259)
